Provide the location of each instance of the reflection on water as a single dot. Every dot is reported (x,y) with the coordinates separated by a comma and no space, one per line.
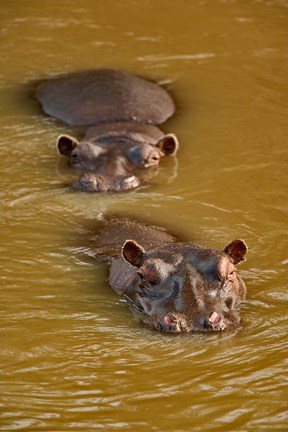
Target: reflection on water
(72,357)
(159,58)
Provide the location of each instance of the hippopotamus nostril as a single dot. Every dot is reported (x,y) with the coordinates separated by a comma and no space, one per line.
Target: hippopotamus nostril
(130,182)
(88,182)
(214,318)
(215,322)
(169,319)
(174,322)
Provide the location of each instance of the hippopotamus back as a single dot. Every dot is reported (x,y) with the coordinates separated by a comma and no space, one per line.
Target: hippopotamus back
(104,95)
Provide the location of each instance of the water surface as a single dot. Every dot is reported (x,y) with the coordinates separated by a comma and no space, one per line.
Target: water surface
(72,357)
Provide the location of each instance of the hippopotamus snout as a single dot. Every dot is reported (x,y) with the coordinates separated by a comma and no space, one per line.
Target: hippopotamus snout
(176,322)
(93,182)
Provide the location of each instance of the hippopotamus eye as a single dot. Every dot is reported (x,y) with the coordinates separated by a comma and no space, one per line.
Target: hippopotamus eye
(148,274)
(140,274)
(231,276)
(225,271)
(142,283)
(155,157)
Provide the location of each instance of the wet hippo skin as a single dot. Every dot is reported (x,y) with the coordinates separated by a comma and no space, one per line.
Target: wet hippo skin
(169,285)
(119,113)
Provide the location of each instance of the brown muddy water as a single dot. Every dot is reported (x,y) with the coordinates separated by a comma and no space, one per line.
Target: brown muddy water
(72,356)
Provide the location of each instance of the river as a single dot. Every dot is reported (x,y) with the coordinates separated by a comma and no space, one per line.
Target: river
(72,356)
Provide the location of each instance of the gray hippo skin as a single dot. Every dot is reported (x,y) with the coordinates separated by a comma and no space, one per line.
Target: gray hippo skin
(172,286)
(119,113)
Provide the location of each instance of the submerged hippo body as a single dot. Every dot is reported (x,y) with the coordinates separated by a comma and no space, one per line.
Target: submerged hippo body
(173,286)
(119,112)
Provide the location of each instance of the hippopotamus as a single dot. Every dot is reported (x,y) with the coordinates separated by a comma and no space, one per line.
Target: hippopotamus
(169,285)
(119,113)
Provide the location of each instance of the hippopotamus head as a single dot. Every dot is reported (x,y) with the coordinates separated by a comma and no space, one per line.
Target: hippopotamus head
(181,287)
(115,160)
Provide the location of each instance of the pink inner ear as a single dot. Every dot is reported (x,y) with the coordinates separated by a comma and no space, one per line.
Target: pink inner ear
(168,144)
(66,145)
(132,252)
(236,250)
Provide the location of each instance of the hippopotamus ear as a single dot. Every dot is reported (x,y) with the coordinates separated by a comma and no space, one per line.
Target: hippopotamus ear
(66,144)
(168,144)
(236,250)
(133,253)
